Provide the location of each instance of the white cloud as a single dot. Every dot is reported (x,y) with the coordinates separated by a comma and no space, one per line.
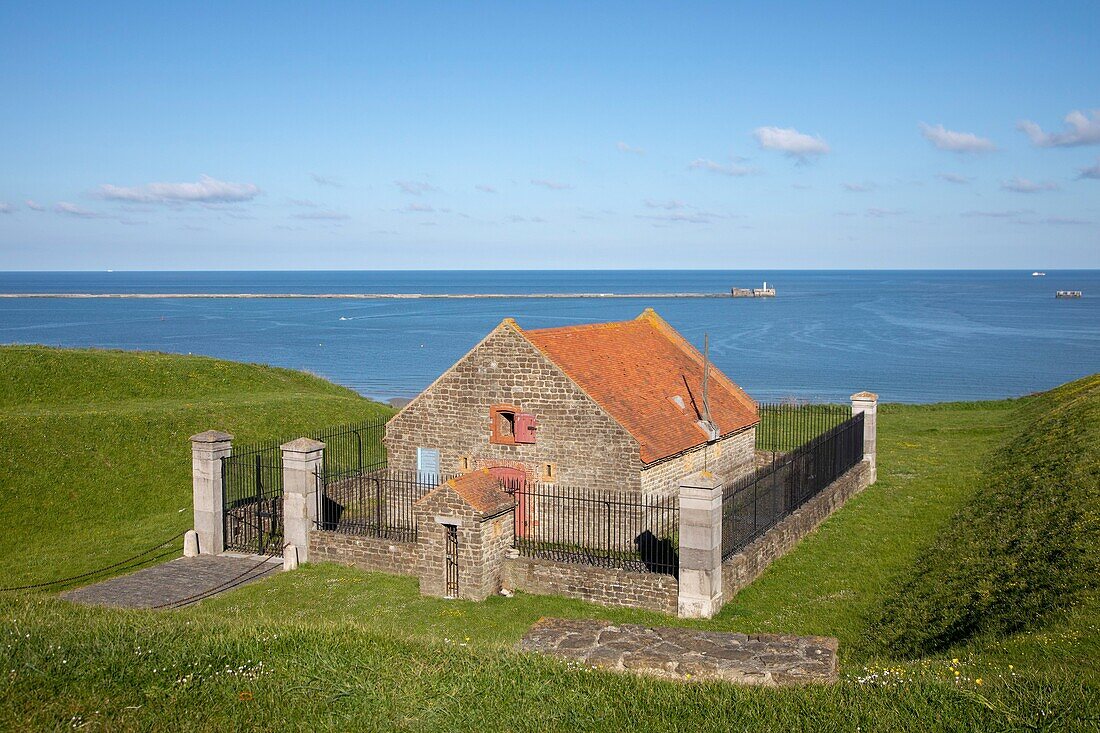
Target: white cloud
(1023,185)
(207,190)
(732,169)
(34,205)
(956,142)
(415,187)
(954,178)
(680,217)
(419,208)
(552,185)
(875,213)
(516,219)
(304,203)
(1065,221)
(1004,214)
(323,216)
(670,205)
(857,187)
(790,141)
(326,180)
(1092,171)
(64,207)
(624,148)
(6,208)
(1081,130)
(485,188)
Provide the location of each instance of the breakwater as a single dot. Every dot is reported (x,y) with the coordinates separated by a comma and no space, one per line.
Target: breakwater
(366,296)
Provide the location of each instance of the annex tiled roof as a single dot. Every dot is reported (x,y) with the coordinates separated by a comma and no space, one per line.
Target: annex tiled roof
(482,491)
(640,372)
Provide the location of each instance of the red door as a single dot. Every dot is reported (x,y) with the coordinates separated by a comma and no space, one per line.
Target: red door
(515,480)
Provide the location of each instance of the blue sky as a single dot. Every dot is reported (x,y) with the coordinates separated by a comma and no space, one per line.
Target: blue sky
(516,135)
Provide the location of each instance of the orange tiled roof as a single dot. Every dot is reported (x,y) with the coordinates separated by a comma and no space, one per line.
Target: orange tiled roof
(482,490)
(635,370)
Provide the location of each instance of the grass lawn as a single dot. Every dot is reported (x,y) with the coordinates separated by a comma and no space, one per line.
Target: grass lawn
(328,647)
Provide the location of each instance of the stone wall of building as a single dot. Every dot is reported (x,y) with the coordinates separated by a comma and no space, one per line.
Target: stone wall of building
(372,554)
(482,544)
(605,586)
(583,443)
(748,564)
(728,458)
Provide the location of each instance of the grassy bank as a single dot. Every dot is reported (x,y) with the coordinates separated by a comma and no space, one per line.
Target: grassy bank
(328,647)
(96,462)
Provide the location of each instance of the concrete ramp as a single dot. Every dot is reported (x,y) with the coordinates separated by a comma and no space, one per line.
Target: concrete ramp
(687,654)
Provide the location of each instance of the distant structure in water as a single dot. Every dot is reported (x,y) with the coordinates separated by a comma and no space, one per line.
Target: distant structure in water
(1068,294)
(764,292)
(1038,274)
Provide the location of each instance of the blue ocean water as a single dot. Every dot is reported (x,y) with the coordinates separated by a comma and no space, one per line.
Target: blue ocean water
(911,336)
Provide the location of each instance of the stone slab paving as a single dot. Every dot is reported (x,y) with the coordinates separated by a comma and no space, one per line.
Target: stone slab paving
(687,654)
(174,581)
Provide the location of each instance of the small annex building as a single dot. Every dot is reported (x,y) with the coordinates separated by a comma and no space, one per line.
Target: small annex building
(472,520)
(614,405)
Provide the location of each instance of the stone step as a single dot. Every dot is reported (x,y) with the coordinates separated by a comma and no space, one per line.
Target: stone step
(687,654)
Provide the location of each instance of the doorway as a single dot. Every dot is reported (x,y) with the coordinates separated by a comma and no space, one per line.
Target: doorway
(451,531)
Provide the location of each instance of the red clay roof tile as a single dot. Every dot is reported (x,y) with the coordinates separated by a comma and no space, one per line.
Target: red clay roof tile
(635,370)
(482,491)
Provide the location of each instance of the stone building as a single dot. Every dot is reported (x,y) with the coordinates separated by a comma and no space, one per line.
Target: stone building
(618,406)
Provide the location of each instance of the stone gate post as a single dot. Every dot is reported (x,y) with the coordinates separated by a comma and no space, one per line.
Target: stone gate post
(302,460)
(700,579)
(207,451)
(867,403)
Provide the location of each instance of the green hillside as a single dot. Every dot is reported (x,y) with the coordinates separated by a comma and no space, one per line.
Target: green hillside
(96,464)
(961,585)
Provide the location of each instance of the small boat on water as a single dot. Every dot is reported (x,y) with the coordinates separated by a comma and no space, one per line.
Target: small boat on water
(1068,294)
(1038,274)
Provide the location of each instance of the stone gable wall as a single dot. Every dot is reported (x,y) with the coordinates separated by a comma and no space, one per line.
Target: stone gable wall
(605,586)
(751,562)
(586,446)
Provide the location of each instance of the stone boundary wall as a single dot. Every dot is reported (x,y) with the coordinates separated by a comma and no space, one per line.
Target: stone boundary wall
(605,586)
(372,554)
(748,564)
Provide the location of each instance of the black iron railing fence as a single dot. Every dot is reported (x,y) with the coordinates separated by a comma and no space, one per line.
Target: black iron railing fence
(252,498)
(597,527)
(376,504)
(785,426)
(755,503)
(252,480)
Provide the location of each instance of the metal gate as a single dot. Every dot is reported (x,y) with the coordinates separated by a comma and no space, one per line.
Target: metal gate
(252,499)
(452,560)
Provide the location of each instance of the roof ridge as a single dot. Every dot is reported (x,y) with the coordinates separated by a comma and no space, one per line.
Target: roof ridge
(580,326)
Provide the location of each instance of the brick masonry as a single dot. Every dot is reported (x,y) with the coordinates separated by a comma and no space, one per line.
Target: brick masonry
(748,564)
(372,554)
(605,586)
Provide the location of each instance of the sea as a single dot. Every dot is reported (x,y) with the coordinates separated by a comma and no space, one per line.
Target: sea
(910,336)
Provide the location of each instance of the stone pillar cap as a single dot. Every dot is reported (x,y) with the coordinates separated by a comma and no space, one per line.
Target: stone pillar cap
(211,436)
(701,480)
(865,396)
(303,445)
